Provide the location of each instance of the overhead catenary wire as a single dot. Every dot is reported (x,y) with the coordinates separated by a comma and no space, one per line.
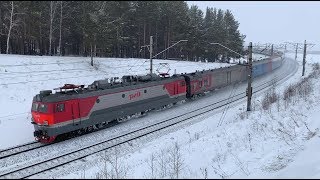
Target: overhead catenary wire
(226,108)
(22,82)
(203,66)
(50,71)
(39,64)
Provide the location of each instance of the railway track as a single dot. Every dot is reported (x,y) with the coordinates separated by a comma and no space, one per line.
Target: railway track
(52,163)
(19,149)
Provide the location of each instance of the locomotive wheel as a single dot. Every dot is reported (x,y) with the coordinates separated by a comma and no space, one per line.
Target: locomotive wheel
(103,124)
(98,126)
(119,120)
(144,113)
(73,134)
(80,132)
(90,129)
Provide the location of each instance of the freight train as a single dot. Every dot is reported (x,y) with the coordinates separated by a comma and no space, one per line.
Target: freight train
(76,109)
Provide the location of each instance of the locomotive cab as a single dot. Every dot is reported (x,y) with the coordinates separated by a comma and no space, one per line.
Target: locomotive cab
(41,111)
(42,115)
(49,113)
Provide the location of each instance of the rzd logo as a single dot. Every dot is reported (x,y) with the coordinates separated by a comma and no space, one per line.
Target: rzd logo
(135,95)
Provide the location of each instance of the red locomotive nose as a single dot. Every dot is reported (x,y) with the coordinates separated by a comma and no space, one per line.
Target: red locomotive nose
(42,116)
(42,113)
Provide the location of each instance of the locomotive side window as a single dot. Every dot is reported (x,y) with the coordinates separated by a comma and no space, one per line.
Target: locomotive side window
(43,108)
(60,107)
(34,107)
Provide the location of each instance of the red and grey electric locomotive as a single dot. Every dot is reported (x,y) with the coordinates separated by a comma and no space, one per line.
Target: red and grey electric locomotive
(76,109)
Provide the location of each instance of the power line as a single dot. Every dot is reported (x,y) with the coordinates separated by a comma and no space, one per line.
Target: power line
(299,46)
(225,110)
(58,63)
(24,82)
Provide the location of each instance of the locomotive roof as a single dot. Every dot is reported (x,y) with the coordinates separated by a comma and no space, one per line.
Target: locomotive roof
(105,88)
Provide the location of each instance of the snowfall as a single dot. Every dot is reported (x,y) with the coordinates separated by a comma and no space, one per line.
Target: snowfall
(279,142)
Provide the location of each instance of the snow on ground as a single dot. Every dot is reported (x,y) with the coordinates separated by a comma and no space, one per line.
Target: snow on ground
(306,163)
(247,145)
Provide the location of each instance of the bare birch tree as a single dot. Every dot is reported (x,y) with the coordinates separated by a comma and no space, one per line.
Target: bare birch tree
(163,164)
(14,21)
(10,26)
(176,161)
(1,28)
(53,5)
(61,17)
(113,168)
(66,10)
(152,166)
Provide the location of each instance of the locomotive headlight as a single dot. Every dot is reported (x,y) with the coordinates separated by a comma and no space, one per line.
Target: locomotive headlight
(45,122)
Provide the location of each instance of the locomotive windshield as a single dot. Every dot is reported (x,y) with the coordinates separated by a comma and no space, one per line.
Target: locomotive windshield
(39,107)
(43,108)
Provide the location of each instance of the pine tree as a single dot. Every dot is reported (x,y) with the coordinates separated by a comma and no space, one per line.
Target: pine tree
(118,29)
(210,34)
(233,38)
(195,33)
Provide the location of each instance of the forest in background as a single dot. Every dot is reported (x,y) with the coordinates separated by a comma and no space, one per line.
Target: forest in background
(117,29)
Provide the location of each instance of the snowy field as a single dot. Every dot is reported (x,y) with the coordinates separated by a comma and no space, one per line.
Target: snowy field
(244,146)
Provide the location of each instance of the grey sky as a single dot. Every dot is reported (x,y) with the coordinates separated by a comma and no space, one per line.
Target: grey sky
(273,21)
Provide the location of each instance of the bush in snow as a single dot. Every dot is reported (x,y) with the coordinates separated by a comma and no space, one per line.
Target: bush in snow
(288,93)
(315,70)
(269,98)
